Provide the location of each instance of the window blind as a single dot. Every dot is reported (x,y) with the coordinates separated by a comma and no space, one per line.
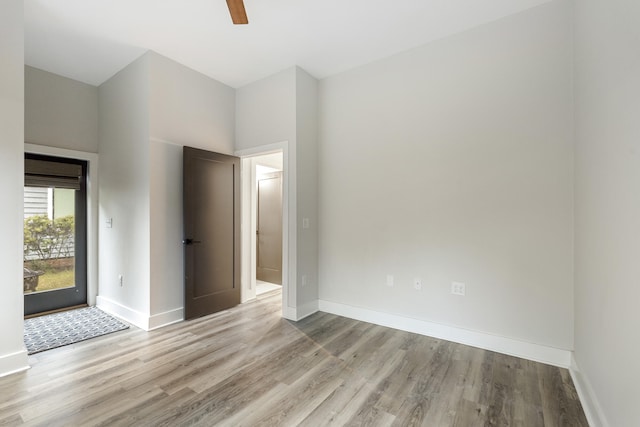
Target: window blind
(43,173)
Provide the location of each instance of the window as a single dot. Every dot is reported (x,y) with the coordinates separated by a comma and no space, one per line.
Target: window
(54,233)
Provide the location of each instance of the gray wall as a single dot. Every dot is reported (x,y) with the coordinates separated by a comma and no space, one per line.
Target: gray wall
(453,162)
(13,355)
(60,112)
(607,99)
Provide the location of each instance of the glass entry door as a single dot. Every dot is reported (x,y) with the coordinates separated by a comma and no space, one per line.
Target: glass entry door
(55,233)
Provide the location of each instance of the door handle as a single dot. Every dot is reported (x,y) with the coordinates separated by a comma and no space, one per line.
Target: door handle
(190,241)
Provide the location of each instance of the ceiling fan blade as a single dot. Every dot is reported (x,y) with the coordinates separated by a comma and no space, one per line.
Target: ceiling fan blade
(238,14)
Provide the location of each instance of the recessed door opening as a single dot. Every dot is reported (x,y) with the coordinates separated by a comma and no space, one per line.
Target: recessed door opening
(264,208)
(55,234)
(268,224)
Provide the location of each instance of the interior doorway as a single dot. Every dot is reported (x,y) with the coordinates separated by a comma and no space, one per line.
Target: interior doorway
(265,219)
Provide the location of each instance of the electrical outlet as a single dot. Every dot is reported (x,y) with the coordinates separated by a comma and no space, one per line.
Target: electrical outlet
(458,288)
(390,280)
(417,284)
(120,279)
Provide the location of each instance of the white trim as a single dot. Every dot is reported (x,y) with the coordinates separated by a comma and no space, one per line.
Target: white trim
(262,149)
(125,313)
(289,313)
(136,318)
(164,141)
(289,223)
(92,208)
(166,318)
(13,363)
(510,346)
(306,310)
(592,409)
(248,235)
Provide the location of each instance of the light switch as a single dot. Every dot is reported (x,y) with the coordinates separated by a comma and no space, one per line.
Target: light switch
(305,222)
(109,223)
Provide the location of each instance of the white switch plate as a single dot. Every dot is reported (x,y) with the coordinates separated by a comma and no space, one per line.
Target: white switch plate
(417,284)
(109,222)
(305,222)
(458,288)
(304,280)
(390,280)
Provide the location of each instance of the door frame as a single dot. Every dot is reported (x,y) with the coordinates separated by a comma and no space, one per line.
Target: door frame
(248,232)
(92,208)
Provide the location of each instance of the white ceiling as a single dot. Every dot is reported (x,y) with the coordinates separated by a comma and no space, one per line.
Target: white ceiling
(91,40)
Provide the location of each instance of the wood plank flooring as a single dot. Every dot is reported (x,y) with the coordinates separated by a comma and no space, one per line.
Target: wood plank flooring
(249,367)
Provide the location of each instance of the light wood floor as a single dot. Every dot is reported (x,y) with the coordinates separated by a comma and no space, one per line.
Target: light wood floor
(264,287)
(247,366)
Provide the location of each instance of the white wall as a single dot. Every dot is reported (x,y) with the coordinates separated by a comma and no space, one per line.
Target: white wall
(147,113)
(453,162)
(307,188)
(186,108)
(273,161)
(60,112)
(266,111)
(189,108)
(13,356)
(61,119)
(283,107)
(266,115)
(167,257)
(607,99)
(124,192)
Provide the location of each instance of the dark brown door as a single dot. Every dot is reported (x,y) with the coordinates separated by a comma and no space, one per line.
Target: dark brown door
(269,230)
(211,232)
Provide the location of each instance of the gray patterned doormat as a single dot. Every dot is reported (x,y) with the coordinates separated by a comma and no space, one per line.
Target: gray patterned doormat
(60,329)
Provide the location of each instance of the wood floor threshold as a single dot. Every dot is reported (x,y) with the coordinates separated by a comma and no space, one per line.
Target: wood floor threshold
(249,367)
(60,310)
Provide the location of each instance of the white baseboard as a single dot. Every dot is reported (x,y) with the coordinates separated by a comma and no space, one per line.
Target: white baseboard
(299,313)
(590,405)
(141,320)
(289,313)
(512,347)
(125,313)
(14,362)
(166,318)
(307,310)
